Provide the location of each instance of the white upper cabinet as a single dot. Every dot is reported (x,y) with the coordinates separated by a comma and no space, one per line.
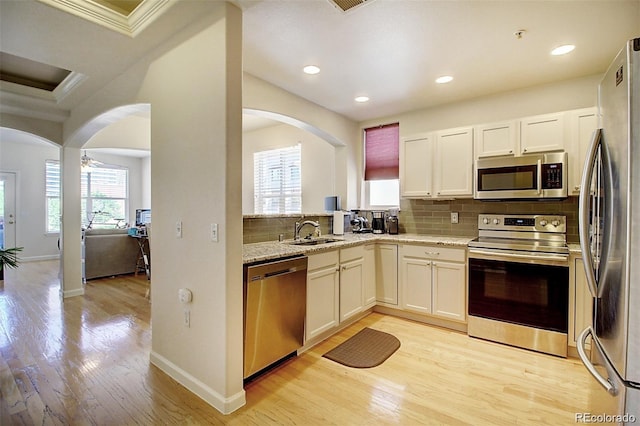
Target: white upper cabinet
(496,139)
(453,165)
(438,165)
(542,133)
(415,166)
(582,123)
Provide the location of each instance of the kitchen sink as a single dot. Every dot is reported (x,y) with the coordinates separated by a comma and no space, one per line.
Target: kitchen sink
(313,241)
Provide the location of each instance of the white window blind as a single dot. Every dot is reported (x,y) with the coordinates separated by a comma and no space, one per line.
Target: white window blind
(52,195)
(277,181)
(105,196)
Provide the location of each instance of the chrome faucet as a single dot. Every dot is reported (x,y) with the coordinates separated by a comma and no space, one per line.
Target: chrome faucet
(296,233)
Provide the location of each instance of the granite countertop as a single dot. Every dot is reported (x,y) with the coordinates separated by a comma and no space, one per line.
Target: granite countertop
(269,250)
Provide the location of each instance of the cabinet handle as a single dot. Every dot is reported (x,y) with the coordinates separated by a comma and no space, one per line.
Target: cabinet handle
(344,268)
(524,150)
(432,253)
(510,151)
(576,188)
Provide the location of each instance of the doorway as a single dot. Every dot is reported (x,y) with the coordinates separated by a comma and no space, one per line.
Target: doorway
(7,209)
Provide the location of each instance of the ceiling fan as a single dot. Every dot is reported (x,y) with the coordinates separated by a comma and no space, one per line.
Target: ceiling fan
(87,162)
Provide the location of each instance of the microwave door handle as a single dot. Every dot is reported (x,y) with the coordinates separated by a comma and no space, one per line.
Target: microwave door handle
(539,176)
(583,208)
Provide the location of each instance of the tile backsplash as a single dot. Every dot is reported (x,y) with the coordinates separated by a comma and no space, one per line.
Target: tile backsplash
(434,217)
(259,228)
(425,217)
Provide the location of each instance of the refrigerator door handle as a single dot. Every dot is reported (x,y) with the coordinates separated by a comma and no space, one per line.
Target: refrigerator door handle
(583,208)
(580,344)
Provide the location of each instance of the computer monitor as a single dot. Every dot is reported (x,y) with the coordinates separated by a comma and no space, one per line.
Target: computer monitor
(143,216)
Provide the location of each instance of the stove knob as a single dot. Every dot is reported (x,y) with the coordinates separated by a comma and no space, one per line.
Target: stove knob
(485,220)
(543,222)
(555,222)
(496,221)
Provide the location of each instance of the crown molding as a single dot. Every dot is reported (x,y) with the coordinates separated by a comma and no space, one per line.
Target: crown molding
(97,13)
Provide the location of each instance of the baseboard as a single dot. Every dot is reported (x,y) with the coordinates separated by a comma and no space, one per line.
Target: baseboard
(72,293)
(213,398)
(426,319)
(39,258)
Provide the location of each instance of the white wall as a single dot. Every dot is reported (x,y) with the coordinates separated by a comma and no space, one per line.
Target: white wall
(27,159)
(318,164)
(196,171)
(561,96)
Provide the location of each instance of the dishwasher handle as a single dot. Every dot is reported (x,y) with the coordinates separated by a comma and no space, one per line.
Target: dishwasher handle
(277,268)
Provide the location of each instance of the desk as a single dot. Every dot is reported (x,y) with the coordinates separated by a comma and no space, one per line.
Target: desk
(143,257)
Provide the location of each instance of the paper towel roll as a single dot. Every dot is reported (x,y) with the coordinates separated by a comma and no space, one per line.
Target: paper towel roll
(338,222)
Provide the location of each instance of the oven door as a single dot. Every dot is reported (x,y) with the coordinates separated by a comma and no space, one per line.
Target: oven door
(520,290)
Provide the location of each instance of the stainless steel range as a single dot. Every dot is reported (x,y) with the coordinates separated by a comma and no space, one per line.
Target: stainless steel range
(519,281)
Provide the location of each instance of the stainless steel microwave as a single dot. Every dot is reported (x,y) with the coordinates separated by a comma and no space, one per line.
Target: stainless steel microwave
(532,176)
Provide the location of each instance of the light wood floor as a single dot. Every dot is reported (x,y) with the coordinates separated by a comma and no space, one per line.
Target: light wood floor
(86,361)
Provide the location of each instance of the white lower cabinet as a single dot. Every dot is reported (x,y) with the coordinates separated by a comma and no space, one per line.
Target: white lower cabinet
(580,302)
(351,281)
(369,275)
(323,292)
(433,280)
(387,273)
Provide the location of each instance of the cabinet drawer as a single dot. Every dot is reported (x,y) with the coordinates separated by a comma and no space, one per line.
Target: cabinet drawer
(434,252)
(322,260)
(351,253)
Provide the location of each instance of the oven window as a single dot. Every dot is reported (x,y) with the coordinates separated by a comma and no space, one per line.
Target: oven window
(520,293)
(507,178)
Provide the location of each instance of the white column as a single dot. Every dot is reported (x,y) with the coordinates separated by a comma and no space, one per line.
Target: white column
(71,229)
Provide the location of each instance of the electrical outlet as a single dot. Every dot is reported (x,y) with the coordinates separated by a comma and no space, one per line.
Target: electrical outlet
(454,217)
(179,229)
(187,318)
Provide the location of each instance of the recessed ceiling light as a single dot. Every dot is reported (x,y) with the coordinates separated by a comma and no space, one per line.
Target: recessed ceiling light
(311,69)
(563,50)
(444,79)
(362,99)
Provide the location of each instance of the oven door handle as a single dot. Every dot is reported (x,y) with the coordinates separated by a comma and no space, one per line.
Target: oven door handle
(492,255)
(583,209)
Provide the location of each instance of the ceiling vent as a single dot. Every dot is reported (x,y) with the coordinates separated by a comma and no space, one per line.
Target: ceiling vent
(348,5)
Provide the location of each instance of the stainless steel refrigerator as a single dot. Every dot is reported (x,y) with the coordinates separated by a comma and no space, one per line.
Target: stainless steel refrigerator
(610,241)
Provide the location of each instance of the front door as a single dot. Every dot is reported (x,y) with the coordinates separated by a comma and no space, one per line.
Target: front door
(7,209)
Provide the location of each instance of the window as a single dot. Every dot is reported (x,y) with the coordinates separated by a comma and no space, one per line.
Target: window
(52,194)
(104,191)
(277,183)
(382,165)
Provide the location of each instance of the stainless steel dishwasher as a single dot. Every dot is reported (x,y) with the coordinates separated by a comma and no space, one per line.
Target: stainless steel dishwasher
(275,299)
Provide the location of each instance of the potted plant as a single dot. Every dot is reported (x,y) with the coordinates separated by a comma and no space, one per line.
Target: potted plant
(9,259)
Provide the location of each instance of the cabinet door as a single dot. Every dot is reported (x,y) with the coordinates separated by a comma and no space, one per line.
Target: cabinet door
(369,275)
(583,309)
(453,163)
(449,290)
(387,273)
(415,166)
(351,288)
(415,278)
(582,122)
(322,300)
(496,139)
(542,133)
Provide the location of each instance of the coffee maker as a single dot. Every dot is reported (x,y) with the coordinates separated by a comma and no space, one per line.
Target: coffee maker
(378,222)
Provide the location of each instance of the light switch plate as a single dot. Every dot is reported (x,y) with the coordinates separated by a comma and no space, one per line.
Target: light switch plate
(214,232)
